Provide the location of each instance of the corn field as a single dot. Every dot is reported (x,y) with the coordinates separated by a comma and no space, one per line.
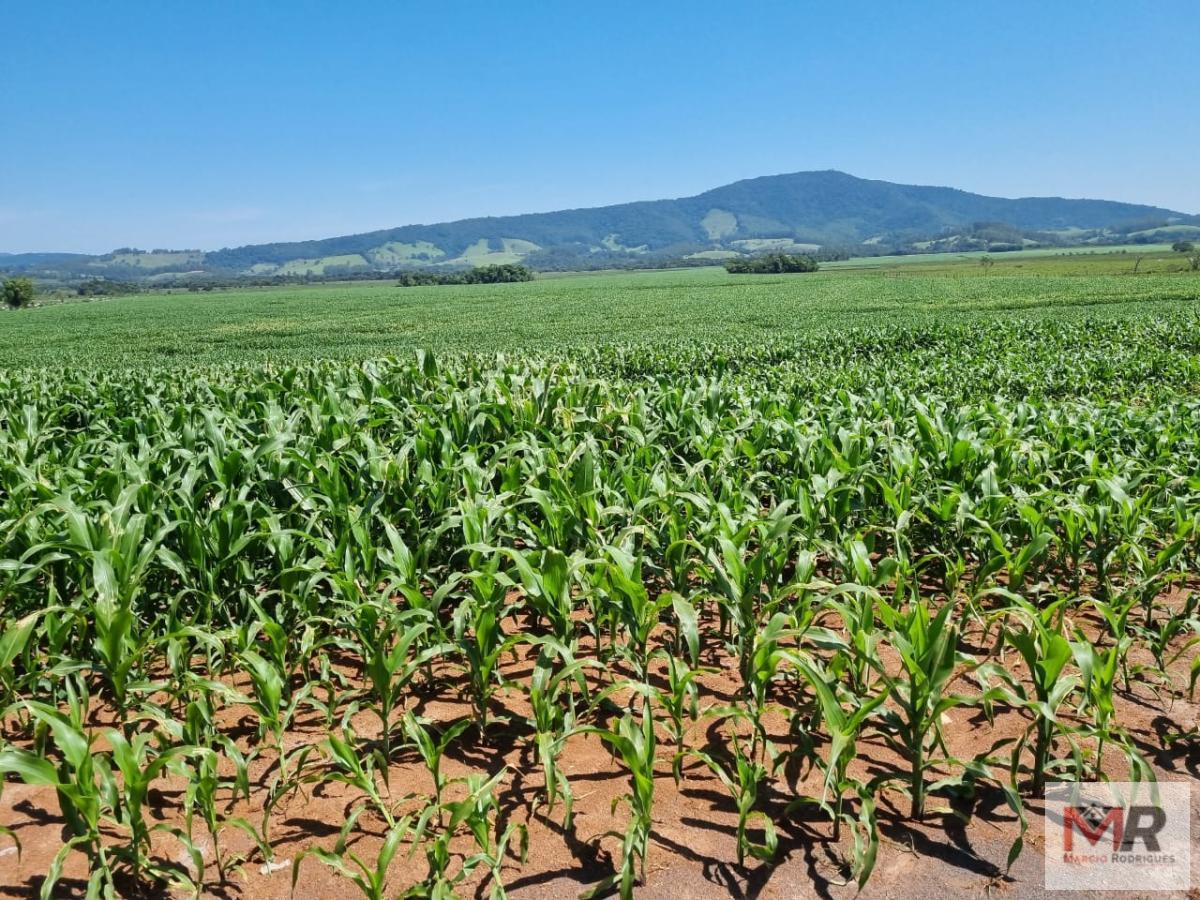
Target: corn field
(876,574)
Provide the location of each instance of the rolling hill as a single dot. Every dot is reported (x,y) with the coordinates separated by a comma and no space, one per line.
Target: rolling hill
(805,211)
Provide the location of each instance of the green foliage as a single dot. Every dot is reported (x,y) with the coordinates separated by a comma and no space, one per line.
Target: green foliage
(18,292)
(1045,651)
(102,287)
(268,578)
(493,274)
(635,744)
(946,310)
(772,264)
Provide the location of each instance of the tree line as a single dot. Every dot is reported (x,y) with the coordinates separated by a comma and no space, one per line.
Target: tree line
(496,274)
(772,264)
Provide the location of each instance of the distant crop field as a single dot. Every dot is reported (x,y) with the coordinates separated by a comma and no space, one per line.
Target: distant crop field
(1106,259)
(679,582)
(361,320)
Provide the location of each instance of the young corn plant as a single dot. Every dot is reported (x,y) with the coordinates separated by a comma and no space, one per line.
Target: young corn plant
(856,646)
(622,585)
(744,777)
(203,789)
(477,813)
(94,801)
(747,582)
(635,743)
(274,719)
(844,727)
(369,876)
(351,767)
(76,781)
(1171,637)
(480,639)
(926,645)
(556,685)
(680,700)
(390,643)
(1045,651)
(546,580)
(769,651)
(432,745)
(140,763)
(1098,671)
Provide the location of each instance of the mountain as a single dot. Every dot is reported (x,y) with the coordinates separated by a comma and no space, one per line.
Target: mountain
(805,211)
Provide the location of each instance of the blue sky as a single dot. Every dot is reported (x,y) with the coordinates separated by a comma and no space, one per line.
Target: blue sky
(222,123)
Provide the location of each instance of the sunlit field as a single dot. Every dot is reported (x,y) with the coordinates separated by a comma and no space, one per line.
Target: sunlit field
(593,582)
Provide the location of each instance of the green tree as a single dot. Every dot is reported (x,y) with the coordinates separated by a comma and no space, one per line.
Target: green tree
(479,275)
(771,264)
(1183,246)
(18,292)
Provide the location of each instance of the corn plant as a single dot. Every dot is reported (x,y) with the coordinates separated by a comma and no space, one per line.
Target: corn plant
(556,686)
(635,744)
(1045,651)
(350,766)
(369,876)
(744,777)
(927,648)
(431,745)
(477,813)
(77,784)
(203,787)
(844,727)
(1098,671)
(681,698)
(768,652)
(481,641)
(140,764)
(624,589)
(392,656)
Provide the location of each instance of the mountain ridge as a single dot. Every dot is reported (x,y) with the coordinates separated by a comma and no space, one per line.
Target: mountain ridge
(820,211)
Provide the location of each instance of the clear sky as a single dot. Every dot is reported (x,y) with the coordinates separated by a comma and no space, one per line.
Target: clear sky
(188,124)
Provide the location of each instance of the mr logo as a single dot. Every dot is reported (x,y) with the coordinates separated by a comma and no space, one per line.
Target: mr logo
(1129,828)
(1118,836)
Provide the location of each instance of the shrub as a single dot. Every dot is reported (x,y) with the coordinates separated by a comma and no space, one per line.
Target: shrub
(18,292)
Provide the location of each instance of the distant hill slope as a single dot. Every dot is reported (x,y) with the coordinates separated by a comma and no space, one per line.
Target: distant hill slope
(802,211)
